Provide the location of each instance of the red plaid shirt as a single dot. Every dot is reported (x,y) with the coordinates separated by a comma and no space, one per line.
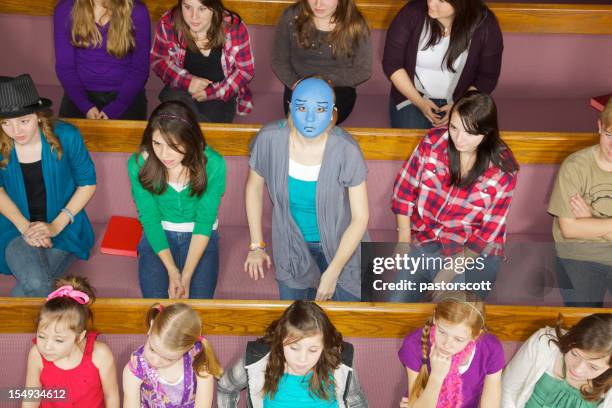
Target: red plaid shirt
(168,59)
(473,217)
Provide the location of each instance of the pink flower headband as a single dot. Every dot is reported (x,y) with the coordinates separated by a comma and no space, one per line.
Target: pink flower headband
(68,291)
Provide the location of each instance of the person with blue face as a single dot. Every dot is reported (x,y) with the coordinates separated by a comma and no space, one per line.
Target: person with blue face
(312,106)
(309,166)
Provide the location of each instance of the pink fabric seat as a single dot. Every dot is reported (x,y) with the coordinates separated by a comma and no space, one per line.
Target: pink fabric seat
(527,277)
(532,93)
(383,388)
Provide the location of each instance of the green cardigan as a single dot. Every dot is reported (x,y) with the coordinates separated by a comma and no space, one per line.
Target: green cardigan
(178,207)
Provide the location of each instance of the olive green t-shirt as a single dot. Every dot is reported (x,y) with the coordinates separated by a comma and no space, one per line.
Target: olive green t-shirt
(580,174)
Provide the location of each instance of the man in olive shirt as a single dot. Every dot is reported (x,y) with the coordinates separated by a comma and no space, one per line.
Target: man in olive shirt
(582,205)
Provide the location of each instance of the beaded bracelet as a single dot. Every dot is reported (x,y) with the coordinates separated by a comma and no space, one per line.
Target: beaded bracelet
(68,213)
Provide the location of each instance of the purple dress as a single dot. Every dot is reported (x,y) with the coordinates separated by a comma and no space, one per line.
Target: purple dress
(157,394)
(488,359)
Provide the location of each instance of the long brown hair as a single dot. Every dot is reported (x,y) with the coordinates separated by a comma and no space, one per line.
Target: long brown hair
(67,310)
(85,33)
(303,319)
(468,15)
(180,129)
(592,334)
(349,30)
(215,34)
(179,327)
(46,123)
(478,114)
(456,308)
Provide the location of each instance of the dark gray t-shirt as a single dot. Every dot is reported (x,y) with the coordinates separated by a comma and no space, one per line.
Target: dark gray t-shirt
(291,62)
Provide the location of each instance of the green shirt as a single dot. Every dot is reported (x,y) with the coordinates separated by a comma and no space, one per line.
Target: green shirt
(178,207)
(552,392)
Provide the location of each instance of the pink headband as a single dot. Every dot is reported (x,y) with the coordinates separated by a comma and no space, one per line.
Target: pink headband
(173,116)
(68,291)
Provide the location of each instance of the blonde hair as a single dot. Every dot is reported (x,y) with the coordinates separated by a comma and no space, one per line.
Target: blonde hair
(65,310)
(179,327)
(85,33)
(606,115)
(455,309)
(46,123)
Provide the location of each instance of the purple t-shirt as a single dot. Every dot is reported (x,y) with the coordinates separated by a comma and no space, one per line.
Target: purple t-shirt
(488,359)
(94,69)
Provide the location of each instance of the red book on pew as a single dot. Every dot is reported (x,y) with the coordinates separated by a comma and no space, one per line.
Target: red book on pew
(122,236)
(600,102)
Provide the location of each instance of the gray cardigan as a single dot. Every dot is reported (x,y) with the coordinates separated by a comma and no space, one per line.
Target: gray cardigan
(291,62)
(343,166)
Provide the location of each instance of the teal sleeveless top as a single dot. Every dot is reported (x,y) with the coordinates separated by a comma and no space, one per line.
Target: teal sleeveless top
(293,391)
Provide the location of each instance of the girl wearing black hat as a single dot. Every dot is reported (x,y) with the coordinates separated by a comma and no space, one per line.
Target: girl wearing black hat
(46,179)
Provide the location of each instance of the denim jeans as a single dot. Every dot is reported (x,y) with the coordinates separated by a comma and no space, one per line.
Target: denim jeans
(287,293)
(583,283)
(410,117)
(213,111)
(427,274)
(153,275)
(35,269)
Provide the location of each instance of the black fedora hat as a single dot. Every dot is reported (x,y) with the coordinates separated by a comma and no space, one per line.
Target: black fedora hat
(19,97)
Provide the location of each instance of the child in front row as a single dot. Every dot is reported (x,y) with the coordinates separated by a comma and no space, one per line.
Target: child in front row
(300,362)
(563,368)
(67,357)
(452,362)
(176,365)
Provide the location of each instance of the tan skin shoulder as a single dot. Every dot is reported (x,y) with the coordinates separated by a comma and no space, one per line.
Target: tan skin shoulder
(101,354)
(35,358)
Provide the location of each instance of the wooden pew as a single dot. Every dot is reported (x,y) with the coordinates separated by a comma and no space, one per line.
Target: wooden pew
(250,318)
(376,144)
(513,17)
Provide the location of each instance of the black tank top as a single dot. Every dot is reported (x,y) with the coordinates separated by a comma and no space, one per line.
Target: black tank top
(205,67)
(35,190)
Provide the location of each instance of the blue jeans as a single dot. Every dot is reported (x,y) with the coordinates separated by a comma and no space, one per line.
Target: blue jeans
(287,293)
(427,274)
(583,283)
(35,269)
(410,117)
(153,275)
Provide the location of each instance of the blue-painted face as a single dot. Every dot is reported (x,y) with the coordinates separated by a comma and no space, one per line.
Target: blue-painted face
(312,106)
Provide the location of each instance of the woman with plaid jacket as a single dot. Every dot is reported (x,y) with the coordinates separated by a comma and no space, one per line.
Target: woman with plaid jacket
(452,196)
(202,52)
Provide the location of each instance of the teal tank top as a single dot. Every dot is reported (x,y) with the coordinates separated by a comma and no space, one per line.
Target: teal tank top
(293,392)
(302,199)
